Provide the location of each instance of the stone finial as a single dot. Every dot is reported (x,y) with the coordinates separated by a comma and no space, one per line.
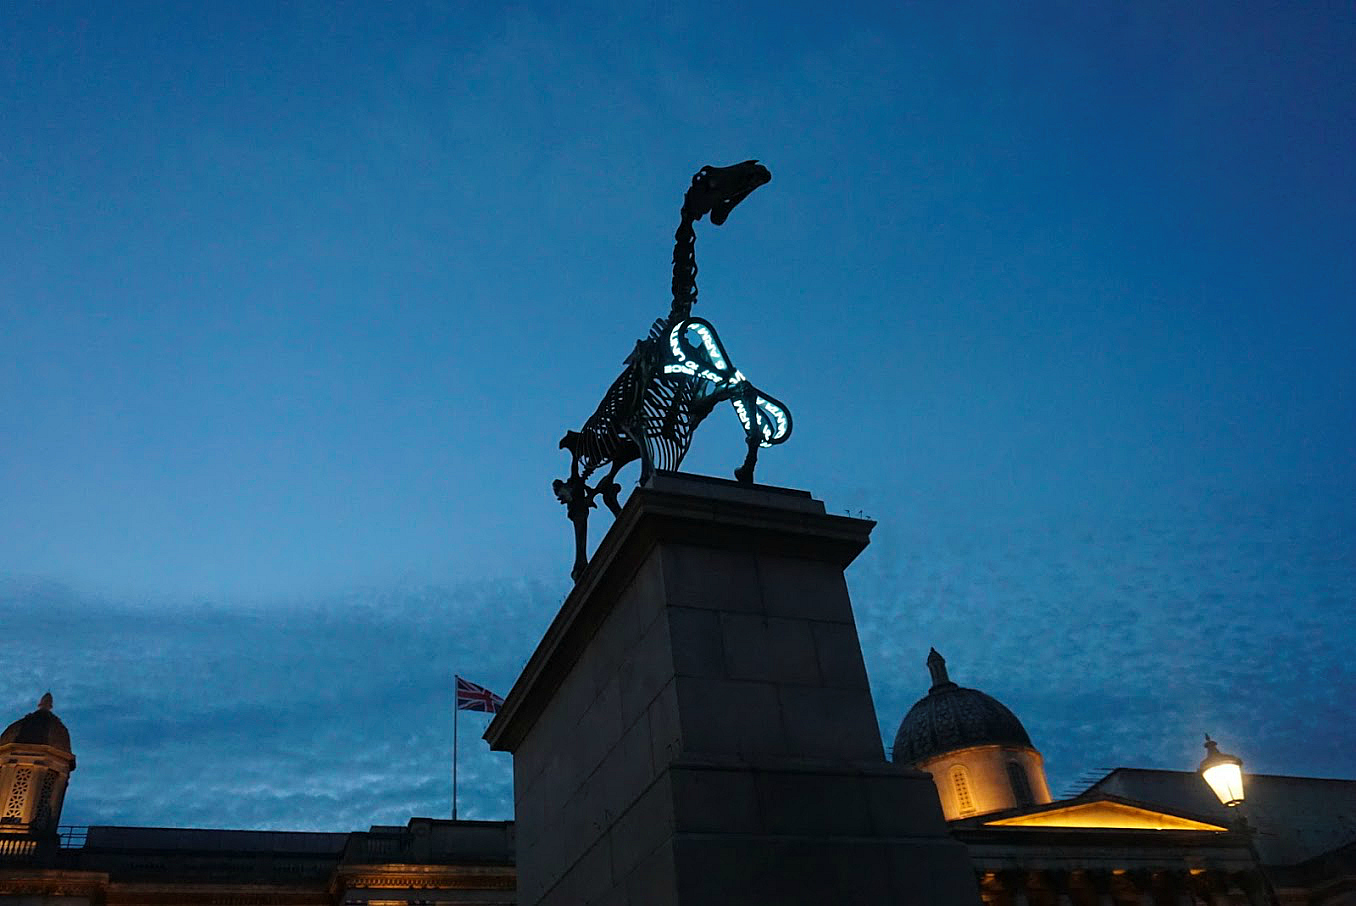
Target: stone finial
(45,703)
(937,666)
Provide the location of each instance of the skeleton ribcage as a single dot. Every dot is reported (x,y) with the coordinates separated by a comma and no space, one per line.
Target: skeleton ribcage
(661,412)
(667,419)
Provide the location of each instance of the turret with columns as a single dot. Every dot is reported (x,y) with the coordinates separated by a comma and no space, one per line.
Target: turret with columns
(35,765)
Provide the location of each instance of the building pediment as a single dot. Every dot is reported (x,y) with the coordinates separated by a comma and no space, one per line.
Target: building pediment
(1102,812)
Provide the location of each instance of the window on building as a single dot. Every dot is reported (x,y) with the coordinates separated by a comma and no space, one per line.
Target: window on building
(18,795)
(42,816)
(960,781)
(1021,786)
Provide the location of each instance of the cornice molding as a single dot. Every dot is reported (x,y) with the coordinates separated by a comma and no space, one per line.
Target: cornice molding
(427,877)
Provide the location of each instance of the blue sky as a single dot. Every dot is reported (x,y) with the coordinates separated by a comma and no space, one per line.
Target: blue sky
(295,304)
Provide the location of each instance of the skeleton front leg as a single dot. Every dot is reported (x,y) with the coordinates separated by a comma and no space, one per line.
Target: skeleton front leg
(646,462)
(753,436)
(744,474)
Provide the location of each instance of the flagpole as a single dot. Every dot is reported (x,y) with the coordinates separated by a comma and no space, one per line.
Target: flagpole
(455,709)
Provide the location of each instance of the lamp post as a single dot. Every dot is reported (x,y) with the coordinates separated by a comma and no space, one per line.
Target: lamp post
(1224,775)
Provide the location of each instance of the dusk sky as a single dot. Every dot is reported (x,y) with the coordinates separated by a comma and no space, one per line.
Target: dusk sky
(297,299)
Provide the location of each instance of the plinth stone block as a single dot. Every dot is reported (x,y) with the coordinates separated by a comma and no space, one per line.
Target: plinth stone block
(696,725)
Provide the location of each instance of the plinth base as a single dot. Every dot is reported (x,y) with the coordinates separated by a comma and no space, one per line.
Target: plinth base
(696,725)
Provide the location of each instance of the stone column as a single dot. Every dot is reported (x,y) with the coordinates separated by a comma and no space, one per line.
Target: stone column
(1142,884)
(1102,882)
(1014,884)
(1061,882)
(696,726)
(991,889)
(1207,889)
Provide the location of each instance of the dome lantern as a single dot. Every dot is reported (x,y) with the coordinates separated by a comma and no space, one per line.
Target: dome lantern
(937,667)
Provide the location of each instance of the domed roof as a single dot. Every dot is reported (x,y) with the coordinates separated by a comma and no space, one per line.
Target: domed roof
(951,717)
(40,728)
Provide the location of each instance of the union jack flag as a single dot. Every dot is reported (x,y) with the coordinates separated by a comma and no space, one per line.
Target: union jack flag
(471,697)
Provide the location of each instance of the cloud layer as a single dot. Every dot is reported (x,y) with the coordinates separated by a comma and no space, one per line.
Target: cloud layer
(1117,640)
(317,715)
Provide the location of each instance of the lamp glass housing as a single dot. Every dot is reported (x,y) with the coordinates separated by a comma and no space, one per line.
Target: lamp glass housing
(1224,773)
(1226,780)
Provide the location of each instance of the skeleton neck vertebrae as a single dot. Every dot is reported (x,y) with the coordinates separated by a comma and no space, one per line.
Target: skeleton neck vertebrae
(673,378)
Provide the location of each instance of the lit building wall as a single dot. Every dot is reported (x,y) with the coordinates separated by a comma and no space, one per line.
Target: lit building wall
(983,779)
(32,788)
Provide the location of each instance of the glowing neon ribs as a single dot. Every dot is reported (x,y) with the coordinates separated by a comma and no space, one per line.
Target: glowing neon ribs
(708,360)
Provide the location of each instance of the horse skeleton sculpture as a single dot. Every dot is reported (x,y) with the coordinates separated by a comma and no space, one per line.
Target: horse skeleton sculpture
(673,378)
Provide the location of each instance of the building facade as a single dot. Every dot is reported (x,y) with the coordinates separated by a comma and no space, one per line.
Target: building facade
(1134,838)
(427,861)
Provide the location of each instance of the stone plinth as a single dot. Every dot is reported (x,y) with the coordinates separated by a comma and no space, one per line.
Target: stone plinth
(696,725)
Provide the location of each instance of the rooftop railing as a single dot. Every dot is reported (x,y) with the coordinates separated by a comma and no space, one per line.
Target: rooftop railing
(72,836)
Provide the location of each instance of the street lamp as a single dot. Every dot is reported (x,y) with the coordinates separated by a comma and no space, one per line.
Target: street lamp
(1224,774)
